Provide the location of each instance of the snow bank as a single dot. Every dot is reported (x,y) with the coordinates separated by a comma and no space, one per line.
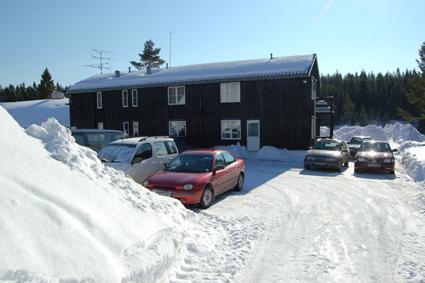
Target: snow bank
(31,112)
(56,223)
(347,132)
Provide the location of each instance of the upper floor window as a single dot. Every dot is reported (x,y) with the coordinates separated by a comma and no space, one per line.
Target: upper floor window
(176,95)
(230,92)
(99,101)
(134,98)
(124,97)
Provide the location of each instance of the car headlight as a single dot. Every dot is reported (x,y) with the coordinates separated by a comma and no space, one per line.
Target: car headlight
(332,159)
(187,187)
(145,183)
(310,158)
(388,160)
(361,159)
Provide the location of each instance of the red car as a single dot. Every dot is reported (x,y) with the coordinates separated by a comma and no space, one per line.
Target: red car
(197,176)
(374,156)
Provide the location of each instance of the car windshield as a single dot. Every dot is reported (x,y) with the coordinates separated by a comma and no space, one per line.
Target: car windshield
(191,163)
(375,146)
(117,153)
(358,140)
(328,145)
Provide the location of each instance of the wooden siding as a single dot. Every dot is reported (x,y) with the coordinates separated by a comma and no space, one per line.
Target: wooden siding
(283,106)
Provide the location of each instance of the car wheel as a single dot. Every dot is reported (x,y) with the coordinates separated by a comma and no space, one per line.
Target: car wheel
(346,164)
(239,185)
(392,172)
(207,198)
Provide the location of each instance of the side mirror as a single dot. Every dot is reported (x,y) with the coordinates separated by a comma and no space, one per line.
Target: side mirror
(136,160)
(219,167)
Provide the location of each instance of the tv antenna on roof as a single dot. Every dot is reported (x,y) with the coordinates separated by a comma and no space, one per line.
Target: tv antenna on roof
(103,63)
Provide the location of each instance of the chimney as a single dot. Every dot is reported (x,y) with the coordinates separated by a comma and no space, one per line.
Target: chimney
(271,56)
(129,69)
(117,74)
(148,70)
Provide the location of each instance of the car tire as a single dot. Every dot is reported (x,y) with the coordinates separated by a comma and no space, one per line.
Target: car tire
(392,172)
(207,198)
(346,164)
(240,183)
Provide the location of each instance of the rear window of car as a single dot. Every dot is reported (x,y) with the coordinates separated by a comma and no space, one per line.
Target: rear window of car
(328,145)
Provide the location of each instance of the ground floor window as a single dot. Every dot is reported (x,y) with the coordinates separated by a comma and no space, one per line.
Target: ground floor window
(177,128)
(230,129)
(125,128)
(100,126)
(135,129)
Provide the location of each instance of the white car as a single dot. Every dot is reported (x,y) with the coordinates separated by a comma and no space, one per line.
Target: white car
(139,157)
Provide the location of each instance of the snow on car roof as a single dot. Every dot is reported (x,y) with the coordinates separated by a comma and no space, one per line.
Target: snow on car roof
(288,66)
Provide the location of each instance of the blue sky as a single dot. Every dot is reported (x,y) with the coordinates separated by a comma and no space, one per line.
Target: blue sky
(347,35)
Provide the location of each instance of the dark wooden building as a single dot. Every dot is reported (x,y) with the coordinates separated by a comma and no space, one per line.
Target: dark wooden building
(254,102)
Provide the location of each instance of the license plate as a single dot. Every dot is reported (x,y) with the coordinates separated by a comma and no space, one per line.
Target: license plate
(163,193)
(373,165)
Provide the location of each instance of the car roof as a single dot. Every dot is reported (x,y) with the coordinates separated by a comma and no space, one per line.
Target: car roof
(95,131)
(375,141)
(362,137)
(137,140)
(332,140)
(204,151)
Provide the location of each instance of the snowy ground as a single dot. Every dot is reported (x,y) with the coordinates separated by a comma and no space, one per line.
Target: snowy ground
(31,112)
(63,215)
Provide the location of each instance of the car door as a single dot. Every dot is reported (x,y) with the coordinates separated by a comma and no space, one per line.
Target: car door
(141,164)
(220,176)
(232,170)
(162,154)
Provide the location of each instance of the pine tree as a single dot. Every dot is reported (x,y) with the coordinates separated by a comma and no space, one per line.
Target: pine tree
(363,117)
(348,111)
(149,58)
(415,93)
(46,85)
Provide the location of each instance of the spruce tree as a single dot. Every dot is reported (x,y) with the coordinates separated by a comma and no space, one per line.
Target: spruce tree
(415,93)
(348,111)
(46,85)
(149,58)
(363,117)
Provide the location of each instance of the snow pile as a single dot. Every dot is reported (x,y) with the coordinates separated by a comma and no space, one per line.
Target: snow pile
(347,132)
(237,150)
(66,217)
(31,112)
(55,223)
(399,132)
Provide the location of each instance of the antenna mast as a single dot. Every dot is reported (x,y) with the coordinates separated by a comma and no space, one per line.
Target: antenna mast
(103,61)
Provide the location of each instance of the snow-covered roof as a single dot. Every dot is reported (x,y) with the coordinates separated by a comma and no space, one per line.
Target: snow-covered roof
(290,66)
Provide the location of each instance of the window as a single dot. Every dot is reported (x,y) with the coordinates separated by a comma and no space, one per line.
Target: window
(99,100)
(135,129)
(313,88)
(230,129)
(160,148)
(125,128)
(124,96)
(100,126)
(144,151)
(219,160)
(177,128)
(228,158)
(171,147)
(230,92)
(134,98)
(176,95)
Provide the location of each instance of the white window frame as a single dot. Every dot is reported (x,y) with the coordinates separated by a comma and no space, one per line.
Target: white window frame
(134,98)
(126,128)
(183,102)
(136,125)
(100,125)
(178,121)
(124,98)
(231,129)
(99,100)
(230,92)
(313,88)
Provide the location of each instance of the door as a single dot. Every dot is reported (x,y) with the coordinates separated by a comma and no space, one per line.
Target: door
(220,176)
(253,135)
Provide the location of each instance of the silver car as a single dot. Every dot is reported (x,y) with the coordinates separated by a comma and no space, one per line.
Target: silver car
(327,154)
(139,157)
